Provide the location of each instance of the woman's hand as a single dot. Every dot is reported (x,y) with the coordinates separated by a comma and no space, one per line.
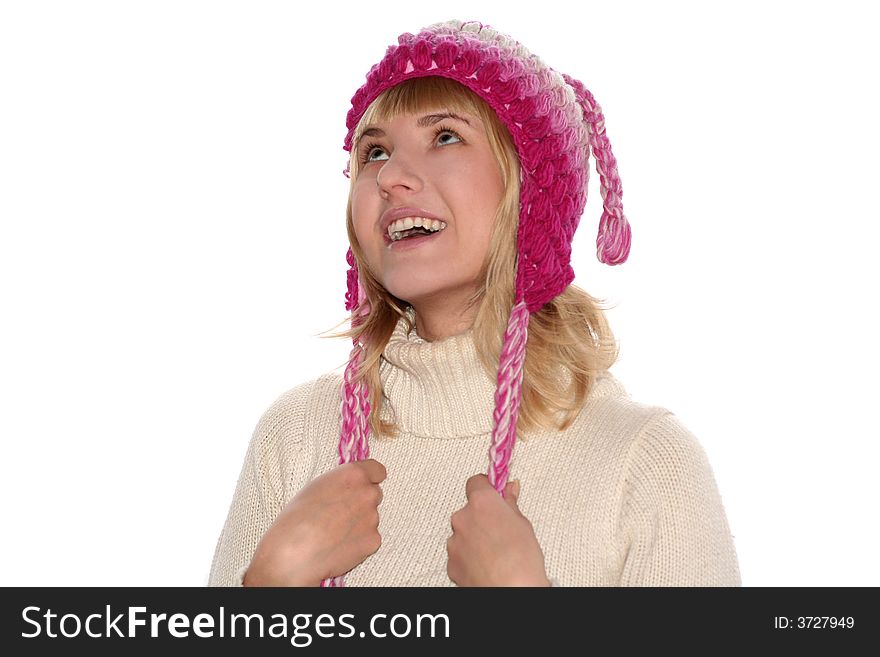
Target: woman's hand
(492,542)
(327,529)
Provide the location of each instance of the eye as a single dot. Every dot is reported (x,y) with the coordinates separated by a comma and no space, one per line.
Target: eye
(367,151)
(446,131)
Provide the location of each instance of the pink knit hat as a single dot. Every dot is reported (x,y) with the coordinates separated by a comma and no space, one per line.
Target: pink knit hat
(554,122)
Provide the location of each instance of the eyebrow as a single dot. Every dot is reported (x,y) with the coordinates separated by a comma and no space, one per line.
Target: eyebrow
(426,121)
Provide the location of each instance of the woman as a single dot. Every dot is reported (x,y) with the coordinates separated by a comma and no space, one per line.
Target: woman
(469,168)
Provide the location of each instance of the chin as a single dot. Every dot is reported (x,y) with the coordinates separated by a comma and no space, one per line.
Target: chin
(408,294)
(411,293)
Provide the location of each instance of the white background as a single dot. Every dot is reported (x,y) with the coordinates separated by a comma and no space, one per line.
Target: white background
(172,206)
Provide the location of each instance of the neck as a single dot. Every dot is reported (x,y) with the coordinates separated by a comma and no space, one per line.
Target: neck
(436,389)
(436,320)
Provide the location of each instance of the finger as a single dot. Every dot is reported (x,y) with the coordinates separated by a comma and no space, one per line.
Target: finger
(455,521)
(511,493)
(380,495)
(475,483)
(375,470)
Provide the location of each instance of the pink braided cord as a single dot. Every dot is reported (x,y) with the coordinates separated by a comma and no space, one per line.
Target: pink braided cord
(354,433)
(615,234)
(508,394)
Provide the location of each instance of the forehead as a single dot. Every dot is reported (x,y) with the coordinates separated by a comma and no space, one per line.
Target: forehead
(419,97)
(422,120)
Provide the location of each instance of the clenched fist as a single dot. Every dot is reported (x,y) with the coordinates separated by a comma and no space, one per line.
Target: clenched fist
(328,528)
(492,542)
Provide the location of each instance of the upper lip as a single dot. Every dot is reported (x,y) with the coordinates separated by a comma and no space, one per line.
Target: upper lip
(393,214)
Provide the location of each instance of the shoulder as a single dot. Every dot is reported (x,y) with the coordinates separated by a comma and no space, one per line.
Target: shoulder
(598,443)
(668,457)
(611,411)
(664,465)
(646,438)
(285,440)
(288,413)
(652,430)
(285,431)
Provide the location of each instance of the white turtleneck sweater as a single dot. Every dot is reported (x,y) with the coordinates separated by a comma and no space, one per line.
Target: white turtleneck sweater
(624,497)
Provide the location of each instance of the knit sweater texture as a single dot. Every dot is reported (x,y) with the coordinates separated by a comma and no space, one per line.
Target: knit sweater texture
(624,497)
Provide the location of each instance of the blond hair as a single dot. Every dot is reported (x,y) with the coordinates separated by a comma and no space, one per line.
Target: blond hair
(569,339)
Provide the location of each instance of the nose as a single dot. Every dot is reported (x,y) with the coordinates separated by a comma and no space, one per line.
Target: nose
(397,175)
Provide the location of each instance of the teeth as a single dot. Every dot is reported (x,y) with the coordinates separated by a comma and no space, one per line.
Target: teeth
(397,227)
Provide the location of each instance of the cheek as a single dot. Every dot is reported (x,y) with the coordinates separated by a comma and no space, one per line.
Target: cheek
(358,230)
(360,213)
(491,192)
(494,182)
(485,178)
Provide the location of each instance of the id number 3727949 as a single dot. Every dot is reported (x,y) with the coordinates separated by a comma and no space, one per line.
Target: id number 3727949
(813,622)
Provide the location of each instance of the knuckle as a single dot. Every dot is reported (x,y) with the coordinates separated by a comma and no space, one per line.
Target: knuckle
(348,473)
(359,471)
(367,503)
(382,471)
(374,466)
(455,521)
(482,497)
(357,478)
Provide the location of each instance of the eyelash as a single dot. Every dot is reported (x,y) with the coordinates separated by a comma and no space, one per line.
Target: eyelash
(370,145)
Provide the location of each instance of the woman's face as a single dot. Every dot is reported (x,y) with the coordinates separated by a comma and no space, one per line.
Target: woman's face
(432,165)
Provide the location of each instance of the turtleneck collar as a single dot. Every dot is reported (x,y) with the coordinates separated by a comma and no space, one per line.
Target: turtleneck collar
(436,389)
(439,389)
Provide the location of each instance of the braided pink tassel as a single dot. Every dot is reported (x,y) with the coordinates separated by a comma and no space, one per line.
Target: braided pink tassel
(355,431)
(615,235)
(508,394)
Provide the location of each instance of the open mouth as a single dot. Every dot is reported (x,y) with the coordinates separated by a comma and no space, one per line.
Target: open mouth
(415,231)
(412,238)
